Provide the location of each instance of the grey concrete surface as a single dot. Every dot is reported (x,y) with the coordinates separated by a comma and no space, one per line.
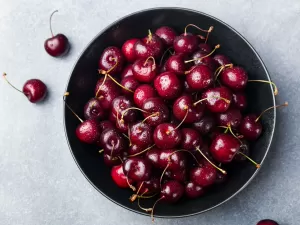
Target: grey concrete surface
(39,181)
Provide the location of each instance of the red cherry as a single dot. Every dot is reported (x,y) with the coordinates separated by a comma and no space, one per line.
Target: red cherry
(88,131)
(119,177)
(231,117)
(127,72)
(172,191)
(166,136)
(142,93)
(167,35)
(201,58)
(157,111)
(111,57)
(141,134)
(144,70)
(111,161)
(239,100)
(167,85)
(175,64)
(174,160)
(235,78)
(193,190)
(137,169)
(185,43)
(190,139)
(94,110)
(128,49)
(250,128)
(267,222)
(129,83)
(203,175)
(221,60)
(199,77)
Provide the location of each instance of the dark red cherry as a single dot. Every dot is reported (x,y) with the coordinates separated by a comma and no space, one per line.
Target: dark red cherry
(190,139)
(137,169)
(104,124)
(231,117)
(130,83)
(119,177)
(175,160)
(35,90)
(204,175)
(207,61)
(193,190)
(185,43)
(120,110)
(221,60)
(144,70)
(179,175)
(150,186)
(250,128)
(141,134)
(155,43)
(153,157)
(128,50)
(142,93)
(204,47)
(245,149)
(224,147)
(112,142)
(111,161)
(168,85)
(199,77)
(135,149)
(88,131)
(157,111)
(166,34)
(239,100)
(205,125)
(217,99)
(267,222)
(127,72)
(94,110)
(172,191)
(175,64)
(235,78)
(184,104)
(166,136)
(122,126)
(111,57)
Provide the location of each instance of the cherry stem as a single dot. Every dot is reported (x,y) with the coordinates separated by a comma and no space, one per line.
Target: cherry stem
(146,61)
(211,163)
(64,98)
(273,107)
(131,186)
(142,208)
(4,76)
(152,211)
(152,115)
(139,153)
(230,130)
(192,60)
(268,82)
(142,195)
(102,150)
(134,196)
(209,31)
(51,21)
(119,84)
(183,150)
(163,173)
(149,36)
(113,148)
(163,56)
(193,25)
(101,85)
(251,160)
(220,69)
(213,97)
(182,121)
(126,110)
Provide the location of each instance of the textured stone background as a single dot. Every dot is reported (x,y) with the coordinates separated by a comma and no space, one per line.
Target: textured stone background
(39,181)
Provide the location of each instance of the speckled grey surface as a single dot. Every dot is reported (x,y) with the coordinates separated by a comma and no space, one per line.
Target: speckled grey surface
(39,181)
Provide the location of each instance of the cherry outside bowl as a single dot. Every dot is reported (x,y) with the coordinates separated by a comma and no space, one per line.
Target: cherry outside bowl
(84,77)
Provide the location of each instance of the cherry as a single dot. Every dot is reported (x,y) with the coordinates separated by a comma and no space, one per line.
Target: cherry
(104,124)
(199,77)
(267,222)
(175,64)
(244,149)
(193,190)
(111,161)
(203,175)
(94,110)
(204,47)
(171,191)
(205,125)
(119,177)
(122,126)
(57,45)
(123,110)
(201,58)
(112,142)
(157,111)
(167,35)
(239,100)
(232,117)
(130,83)
(166,135)
(111,60)
(144,70)
(153,157)
(140,134)
(224,147)
(234,77)
(217,99)
(190,139)
(167,85)
(183,109)
(35,90)
(185,43)
(151,45)
(137,169)
(179,175)
(142,93)
(149,186)
(135,149)
(172,160)
(127,72)
(221,60)
(128,50)
(250,128)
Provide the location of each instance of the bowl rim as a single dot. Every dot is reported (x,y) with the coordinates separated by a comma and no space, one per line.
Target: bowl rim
(216,19)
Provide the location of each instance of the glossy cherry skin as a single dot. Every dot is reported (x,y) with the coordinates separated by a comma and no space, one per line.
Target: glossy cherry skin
(171,191)
(112,142)
(128,50)
(109,58)
(152,106)
(88,131)
(221,60)
(166,34)
(203,175)
(144,71)
(213,102)
(57,45)
(224,147)
(141,134)
(205,125)
(179,175)
(190,139)
(175,160)
(127,72)
(119,107)
(167,85)
(111,161)
(104,124)
(231,117)
(153,157)
(135,149)
(185,43)
(149,186)
(94,110)
(184,104)
(166,136)
(200,77)
(207,61)
(106,92)
(235,78)
(221,178)
(130,83)
(187,87)
(119,177)
(249,128)
(267,222)
(137,169)
(239,100)
(142,93)
(35,90)
(193,190)
(175,64)
(245,149)
(204,47)
(149,46)
(121,126)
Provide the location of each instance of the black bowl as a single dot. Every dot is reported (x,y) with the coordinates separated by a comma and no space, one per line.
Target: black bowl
(84,77)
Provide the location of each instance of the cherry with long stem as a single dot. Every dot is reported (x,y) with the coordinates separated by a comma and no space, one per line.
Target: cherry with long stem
(257,165)
(131,108)
(192,60)
(273,107)
(220,69)
(206,31)
(215,97)
(182,121)
(50,22)
(145,150)
(134,196)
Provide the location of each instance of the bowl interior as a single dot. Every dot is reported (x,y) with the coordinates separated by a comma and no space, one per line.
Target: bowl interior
(84,77)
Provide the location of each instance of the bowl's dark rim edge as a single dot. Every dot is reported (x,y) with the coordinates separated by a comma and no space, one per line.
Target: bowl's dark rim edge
(195,11)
